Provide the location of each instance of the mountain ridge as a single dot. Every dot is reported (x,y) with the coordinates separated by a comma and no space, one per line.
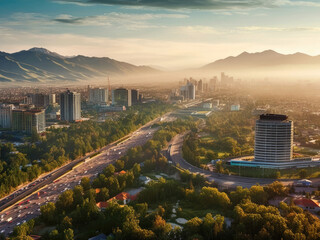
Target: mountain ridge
(267,58)
(42,65)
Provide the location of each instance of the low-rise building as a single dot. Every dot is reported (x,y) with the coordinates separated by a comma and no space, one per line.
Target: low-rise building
(307,204)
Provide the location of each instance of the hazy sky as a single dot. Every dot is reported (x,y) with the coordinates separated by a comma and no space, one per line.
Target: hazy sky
(174,34)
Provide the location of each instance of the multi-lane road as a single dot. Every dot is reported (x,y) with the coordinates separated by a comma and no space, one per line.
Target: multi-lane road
(223,181)
(19,213)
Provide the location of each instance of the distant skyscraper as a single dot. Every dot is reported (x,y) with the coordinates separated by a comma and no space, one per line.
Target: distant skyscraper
(200,85)
(188,91)
(6,115)
(191,91)
(121,97)
(273,139)
(98,96)
(213,84)
(70,106)
(134,96)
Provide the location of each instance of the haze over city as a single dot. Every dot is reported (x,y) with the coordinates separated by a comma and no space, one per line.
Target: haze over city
(159,119)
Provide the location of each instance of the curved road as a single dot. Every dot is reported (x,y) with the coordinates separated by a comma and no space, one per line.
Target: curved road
(223,181)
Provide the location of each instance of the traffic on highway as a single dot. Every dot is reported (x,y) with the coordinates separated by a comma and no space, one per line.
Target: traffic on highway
(29,207)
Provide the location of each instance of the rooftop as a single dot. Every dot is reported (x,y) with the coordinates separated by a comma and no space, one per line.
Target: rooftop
(273,117)
(305,202)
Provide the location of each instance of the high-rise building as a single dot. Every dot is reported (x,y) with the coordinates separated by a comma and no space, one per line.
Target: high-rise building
(28,120)
(273,139)
(52,99)
(98,96)
(213,84)
(6,115)
(188,91)
(40,100)
(200,85)
(191,91)
(18,120)
(134,96)
(121,97)
(70,106)
(274,145)
(35,120)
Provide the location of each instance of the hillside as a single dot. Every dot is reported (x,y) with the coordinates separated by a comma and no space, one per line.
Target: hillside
(262,60)
(41,65)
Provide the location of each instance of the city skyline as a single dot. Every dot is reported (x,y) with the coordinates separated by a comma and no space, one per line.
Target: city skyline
(167,34)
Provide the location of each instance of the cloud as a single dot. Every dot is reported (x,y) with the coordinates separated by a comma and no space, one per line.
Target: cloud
(115,18)
(123,20)
(198,29)
(280,29)
(200,4)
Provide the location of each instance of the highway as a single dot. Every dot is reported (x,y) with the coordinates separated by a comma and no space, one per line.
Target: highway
(51,189)
(223,181)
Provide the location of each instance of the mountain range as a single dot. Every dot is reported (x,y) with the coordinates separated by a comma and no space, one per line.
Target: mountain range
(262,60)
(42,65)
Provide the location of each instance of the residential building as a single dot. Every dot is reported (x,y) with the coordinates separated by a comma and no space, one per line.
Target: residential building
(307,204)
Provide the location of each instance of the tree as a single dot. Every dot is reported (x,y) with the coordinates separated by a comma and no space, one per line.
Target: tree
(212,226)
(54,235)
(68,234)
(141,209)
(211,197)
(241,194)
(161,228)
(119,164)
(258,195)
(276,189)
(103,195)
(193,226)
(48,213)
(78,195)
(65,224)
(85,183)
(65,201)
(109,170)
(136,170)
